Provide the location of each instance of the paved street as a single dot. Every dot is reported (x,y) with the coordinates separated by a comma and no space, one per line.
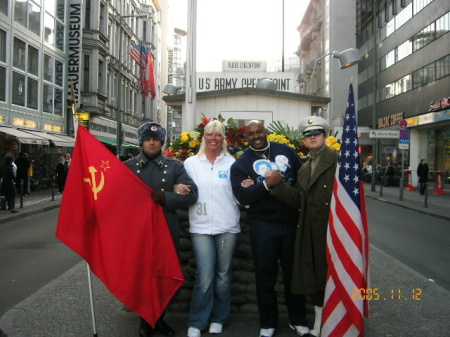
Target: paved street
(61,308)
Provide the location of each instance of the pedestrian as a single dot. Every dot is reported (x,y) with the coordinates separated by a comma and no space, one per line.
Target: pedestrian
(422,173)
(61,174)
(172,188)
(67,160)
(23,165)
(8,188)
(312,195)
(214,229)
(30,176)
(389,175)
(272,228)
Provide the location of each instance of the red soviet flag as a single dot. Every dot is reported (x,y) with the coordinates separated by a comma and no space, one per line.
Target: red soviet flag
(108,217)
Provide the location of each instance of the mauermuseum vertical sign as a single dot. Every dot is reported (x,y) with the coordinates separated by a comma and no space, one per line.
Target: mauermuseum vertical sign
(75,31)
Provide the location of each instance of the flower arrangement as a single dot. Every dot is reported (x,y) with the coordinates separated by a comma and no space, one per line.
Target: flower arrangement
(189,142)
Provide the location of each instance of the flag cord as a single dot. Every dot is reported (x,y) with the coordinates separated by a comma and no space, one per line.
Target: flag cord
(92,300)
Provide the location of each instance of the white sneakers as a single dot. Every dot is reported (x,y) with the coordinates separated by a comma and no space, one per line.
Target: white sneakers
(299,329)
(193,332)
(266,332)
(215,328)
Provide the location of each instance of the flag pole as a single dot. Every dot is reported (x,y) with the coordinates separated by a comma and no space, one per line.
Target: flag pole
(92,300)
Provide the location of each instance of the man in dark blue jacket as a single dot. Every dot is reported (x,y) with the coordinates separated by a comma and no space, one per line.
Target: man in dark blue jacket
(272,227)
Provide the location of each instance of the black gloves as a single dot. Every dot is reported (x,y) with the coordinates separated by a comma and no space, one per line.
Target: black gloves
(158,197)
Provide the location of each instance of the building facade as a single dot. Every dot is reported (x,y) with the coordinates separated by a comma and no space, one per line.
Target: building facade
(406,61)
(327,26)
(50,49)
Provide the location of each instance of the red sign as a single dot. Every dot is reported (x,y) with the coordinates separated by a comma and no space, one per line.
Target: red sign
(403,124)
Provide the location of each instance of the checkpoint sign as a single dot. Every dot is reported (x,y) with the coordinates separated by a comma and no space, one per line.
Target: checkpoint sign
(403,139)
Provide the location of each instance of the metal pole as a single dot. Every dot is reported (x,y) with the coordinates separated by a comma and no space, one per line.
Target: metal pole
(375,86)
(119,93)
(426,195)
(53,188)
(21,193)
(92,300)
(403,176)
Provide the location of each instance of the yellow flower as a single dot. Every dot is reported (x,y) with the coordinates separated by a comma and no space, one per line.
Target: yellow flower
(336,146)
(194,143)
(185,136)
(331,139)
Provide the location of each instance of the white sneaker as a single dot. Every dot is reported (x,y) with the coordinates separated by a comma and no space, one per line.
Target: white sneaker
(266,332)
(299,329)
(194,332)
(215,328)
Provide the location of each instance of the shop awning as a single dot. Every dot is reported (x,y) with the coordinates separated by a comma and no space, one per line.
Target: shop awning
(66,138)
(57,140)
(107,141)
(130,145)
(24,137)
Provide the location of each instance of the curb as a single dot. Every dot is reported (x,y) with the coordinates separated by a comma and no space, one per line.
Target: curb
(419,210)
(28,213)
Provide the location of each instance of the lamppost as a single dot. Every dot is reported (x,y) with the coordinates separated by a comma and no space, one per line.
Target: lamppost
(347,58)
(119,80)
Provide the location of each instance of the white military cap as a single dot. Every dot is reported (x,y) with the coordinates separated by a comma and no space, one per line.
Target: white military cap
(313,125)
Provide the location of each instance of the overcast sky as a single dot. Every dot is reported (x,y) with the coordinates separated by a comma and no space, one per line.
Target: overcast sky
(242,29)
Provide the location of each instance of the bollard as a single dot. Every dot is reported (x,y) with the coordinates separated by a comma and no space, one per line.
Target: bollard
(21,193)
(401,188)
(381,189)
(426,196)
(53,188)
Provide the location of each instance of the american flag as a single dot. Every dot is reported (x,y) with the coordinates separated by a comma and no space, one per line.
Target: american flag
(347,241)
(139,54)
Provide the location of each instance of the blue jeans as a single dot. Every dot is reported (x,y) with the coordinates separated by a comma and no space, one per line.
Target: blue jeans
(270,242)
(211,296)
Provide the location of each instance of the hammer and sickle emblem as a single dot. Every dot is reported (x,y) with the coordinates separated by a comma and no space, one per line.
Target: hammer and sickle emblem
(93,182)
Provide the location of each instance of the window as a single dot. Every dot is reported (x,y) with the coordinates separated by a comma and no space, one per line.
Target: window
(101,79)
(28,14)
(33,60)
(443,25)
(87,15)
(443,67)
(18,89)
(3,79)
(19,54)
(86,75)
(54,24)
(4,7)
(2,46)
(52,93)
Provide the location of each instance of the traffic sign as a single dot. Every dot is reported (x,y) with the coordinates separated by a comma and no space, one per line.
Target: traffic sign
(403,136)
(383,134)
(403,124)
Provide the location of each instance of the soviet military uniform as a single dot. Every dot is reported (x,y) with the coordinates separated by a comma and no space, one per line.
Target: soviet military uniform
(161,174)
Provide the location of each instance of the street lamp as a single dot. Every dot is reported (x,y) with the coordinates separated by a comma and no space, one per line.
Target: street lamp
(347,58)
(119,80)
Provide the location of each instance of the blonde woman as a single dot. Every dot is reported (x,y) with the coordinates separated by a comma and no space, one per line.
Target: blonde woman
(214,229)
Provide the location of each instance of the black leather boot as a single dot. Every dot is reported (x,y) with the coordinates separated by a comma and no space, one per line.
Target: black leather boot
(145,329)
(163,328)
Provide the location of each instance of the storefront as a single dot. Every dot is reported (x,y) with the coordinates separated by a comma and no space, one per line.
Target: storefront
(105,130)
(430,140)
(44,150)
